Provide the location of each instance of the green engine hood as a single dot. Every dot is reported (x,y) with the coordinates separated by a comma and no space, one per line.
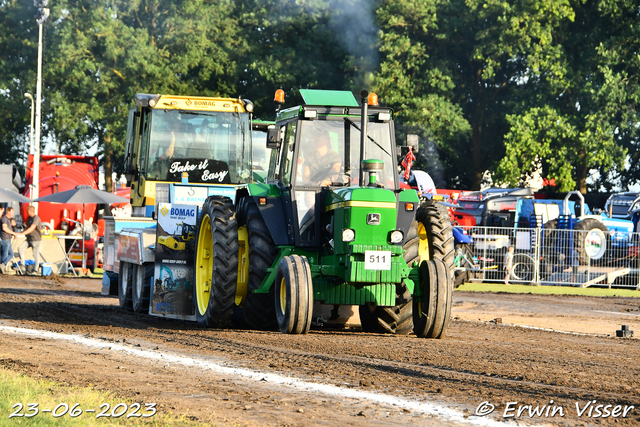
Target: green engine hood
(370,212)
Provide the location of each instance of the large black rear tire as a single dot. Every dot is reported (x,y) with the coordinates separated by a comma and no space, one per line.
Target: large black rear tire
(259,309)
(216,263)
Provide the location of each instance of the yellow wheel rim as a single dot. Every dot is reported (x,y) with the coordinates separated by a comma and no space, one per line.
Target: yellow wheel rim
(204,265)
(423,244)
(283,295)
(243,266)
(420,309)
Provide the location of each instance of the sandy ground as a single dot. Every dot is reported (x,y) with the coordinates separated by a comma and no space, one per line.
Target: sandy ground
(482,358)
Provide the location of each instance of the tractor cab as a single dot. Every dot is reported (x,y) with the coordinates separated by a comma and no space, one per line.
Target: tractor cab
(208,139)
(317,162)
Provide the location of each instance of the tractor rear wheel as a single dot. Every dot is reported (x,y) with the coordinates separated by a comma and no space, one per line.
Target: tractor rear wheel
(141,286)
(436,243)
(294,295)
(431,315)
(259,309)
(216,263)
(584,227)
(124,285)
(397,319)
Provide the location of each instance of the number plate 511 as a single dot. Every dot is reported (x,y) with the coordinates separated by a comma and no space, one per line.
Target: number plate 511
(377,260)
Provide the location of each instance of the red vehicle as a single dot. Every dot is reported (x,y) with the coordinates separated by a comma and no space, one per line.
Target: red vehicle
(459,218)
(61,173)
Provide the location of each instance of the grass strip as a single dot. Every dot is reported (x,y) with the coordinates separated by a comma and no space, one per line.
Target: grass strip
(548,290)
(18,388)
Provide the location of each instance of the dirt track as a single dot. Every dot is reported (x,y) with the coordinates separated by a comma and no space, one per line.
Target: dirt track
(477,361)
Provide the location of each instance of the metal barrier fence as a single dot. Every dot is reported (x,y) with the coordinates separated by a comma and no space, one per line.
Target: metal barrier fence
(552,257)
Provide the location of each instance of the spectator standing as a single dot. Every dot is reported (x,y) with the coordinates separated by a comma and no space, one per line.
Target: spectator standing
(508,263)
(34,237)
(6,234)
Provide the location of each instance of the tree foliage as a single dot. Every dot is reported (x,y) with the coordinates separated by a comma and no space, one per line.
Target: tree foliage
(515,88)
(576,119)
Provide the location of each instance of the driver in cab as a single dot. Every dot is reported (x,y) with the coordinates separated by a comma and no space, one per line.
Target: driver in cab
(320,163)
(167,152)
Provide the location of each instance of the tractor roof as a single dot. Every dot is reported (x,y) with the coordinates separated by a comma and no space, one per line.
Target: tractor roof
(329,98)
(192,103)
(327,103)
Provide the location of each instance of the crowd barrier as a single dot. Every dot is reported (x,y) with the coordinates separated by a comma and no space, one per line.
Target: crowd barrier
(552,257)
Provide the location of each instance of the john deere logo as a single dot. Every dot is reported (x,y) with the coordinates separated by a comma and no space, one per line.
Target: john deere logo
(164,211)
(373,219)
(188,102)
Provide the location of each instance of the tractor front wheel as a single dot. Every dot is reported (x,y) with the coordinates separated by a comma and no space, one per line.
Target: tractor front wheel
(436,244)
(294,295)
(216,263)
(432,313)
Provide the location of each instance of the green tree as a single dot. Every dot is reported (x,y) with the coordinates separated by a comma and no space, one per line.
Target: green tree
(291,45)
(456,68)
(620,71)
(106,51)
(18,61)
(576,107)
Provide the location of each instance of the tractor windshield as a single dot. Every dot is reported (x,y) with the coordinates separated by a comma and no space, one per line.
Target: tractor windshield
(212,147)
(330,152)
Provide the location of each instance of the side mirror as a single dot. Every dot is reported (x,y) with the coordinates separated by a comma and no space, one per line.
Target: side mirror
(273,137)
(412,142)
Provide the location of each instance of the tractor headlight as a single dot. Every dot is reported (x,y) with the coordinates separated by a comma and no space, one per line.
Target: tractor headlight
(348,235)
(396,237)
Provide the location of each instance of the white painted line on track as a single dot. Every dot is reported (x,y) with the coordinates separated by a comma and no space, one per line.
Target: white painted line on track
(447,414)
(535,328)
(615,312)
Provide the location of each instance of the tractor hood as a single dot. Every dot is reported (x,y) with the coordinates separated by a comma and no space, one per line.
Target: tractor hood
(370,212)
(360,197)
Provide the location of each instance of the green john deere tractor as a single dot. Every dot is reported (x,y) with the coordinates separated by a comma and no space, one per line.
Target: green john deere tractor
(329,225)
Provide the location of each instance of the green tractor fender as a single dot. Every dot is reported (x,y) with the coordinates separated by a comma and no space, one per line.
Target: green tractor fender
(408,203)
(269,200)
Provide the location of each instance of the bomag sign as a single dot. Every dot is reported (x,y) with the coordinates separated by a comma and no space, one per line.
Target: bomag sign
(200,103)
